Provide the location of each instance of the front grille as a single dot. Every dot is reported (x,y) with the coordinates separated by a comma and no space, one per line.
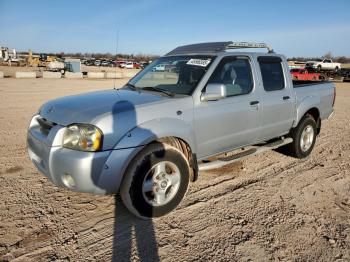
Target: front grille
(45,125)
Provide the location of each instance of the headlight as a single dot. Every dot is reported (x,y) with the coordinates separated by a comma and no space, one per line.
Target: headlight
(82,137)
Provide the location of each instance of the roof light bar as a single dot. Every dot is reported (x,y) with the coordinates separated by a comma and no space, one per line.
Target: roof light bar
(238,45)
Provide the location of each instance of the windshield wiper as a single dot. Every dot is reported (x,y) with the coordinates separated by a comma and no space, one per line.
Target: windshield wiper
(157,89)
(152,88)
(132,87)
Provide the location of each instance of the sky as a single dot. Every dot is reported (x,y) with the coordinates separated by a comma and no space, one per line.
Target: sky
(295,28)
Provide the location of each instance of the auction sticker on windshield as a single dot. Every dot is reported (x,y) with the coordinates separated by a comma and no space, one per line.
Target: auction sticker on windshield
(199,62)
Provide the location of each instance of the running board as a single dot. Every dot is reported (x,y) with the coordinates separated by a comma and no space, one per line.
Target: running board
(242,155)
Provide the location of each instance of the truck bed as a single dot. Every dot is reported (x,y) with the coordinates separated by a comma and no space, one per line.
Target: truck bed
(303,83)
(321,93)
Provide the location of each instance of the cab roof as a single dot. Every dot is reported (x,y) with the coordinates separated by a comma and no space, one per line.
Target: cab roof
(215,47)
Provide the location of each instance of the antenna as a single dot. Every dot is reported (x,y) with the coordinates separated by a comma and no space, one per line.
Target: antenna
(116,53)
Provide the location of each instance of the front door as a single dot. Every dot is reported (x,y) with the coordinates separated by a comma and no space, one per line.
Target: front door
(232,121)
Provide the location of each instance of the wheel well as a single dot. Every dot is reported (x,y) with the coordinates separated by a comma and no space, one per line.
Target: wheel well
(186,150)
(316,116)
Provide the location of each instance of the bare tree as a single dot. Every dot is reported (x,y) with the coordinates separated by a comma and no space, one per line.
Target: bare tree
(328,55)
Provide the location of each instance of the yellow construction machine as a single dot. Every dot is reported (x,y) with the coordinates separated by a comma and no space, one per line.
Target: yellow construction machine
(40,60)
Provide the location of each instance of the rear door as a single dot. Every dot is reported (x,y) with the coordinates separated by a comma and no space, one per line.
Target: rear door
(234,120)
(277,97)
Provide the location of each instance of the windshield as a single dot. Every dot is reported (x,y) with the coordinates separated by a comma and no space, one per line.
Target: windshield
(174,74)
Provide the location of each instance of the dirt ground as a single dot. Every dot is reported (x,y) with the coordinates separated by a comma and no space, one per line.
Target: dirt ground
(268,207)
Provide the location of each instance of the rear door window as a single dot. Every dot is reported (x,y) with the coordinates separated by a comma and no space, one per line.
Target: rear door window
(271,73)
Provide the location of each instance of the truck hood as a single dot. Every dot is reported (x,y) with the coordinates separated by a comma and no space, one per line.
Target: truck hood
(87,108)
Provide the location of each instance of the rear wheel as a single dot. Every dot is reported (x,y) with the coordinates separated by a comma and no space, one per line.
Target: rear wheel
(304,138)
(156,181)
(319,68)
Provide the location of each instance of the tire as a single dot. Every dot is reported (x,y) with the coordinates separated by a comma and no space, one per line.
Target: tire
(319,68)
(336,69)
(161,167)
(295,149)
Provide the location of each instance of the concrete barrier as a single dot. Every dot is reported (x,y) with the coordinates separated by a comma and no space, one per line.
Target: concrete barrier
(95,75)
(47,74)
(158,75)
(25,75)
(114,75)
(73,75)
(129,74)
(1,74)
(171,75)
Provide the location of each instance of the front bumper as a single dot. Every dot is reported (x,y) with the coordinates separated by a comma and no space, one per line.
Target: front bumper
(92,172)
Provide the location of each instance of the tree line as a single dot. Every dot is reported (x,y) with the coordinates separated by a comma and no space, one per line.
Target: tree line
(328,55)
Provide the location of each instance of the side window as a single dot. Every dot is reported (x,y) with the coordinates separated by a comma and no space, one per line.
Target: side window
(235,74)
(272,73)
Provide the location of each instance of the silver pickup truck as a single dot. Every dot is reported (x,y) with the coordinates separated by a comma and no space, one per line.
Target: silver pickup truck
(207,106)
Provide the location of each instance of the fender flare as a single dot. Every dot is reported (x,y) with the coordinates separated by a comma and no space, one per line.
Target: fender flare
(134,141)
(306,104)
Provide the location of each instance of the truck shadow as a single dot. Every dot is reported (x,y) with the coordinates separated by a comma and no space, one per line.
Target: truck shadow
(129,231)
(133,238)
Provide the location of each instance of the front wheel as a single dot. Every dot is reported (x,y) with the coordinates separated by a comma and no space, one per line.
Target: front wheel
(156,181)
(304,138)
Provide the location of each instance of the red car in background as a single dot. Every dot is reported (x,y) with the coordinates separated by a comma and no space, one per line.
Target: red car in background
(304,74)
(132,65)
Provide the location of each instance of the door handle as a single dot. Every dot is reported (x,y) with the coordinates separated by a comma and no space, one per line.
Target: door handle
(252,103)
(286,98)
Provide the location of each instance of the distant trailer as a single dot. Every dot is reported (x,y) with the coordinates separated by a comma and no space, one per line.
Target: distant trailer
(331,76)
(345,73)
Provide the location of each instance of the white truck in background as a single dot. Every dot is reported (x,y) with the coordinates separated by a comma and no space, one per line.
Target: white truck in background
(325,64)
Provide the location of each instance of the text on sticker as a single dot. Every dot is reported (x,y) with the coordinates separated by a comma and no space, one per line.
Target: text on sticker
(198,62)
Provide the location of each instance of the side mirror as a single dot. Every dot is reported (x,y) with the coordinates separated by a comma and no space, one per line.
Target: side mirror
(214,92)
